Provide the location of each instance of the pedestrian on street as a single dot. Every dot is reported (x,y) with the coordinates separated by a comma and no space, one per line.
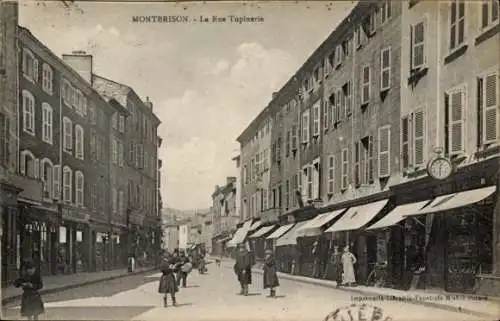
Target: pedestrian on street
(183,272)
(31,283)
(336,261)
(168,284)
(270,276)
(243,268)
(348,261)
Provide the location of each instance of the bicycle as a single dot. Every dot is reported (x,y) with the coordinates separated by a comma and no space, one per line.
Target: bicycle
(377,276)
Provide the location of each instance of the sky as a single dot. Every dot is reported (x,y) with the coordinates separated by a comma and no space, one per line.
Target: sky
(207,82)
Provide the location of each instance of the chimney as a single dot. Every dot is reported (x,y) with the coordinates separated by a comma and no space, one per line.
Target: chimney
(275,94)
(148,103)
(81,62)
(230,179)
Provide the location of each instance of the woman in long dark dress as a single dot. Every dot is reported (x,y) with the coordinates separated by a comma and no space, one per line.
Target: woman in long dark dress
(31,283)
(270,276)
(168,283)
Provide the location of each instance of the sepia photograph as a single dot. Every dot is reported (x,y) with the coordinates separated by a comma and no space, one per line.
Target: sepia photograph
(250,160)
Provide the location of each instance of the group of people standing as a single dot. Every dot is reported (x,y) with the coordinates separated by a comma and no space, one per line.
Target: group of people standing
(243,270)
(341,266)
(175,269)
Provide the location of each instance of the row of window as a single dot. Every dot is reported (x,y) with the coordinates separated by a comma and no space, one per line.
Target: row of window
(50,175)
(257,165)
(357,165)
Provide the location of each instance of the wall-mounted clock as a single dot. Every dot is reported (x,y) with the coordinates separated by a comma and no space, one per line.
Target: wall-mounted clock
(440,168)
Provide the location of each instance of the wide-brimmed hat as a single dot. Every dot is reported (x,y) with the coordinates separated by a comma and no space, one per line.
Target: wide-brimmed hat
(28,264)
(269,251)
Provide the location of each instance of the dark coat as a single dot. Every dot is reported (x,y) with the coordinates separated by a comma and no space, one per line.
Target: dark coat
(243,267)
(168,283)
(31,301)
(270,275)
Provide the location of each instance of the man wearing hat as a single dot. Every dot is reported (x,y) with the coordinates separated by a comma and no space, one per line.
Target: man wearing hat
(243,268)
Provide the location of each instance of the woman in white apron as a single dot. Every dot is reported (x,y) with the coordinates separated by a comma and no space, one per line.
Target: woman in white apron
(348,261)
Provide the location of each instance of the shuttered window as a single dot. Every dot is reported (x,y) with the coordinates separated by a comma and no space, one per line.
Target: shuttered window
(384,151)
(316,119)
(385,69)
(294,137)
(418,137)
(418,35)
(365,85)
(340,97)
(357,163)
(345,169)
(405,142)
(455,105)
(457,23)
(326,110)
(305,127)
(56,181)
(348,98)
(488,108)
(333,108)
(331,173)
(339,55)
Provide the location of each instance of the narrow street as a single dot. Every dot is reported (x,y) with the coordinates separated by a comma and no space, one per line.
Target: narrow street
(212,296)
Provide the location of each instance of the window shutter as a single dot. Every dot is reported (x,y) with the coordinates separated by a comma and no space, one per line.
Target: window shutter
(294,137)
(22,164)
(405,142)
(348,98)
(384,159)
(35,70)
(419,137)
(339,96)
(333,102)
(325,116)
(344,169)
(490,109)
(56,174)
(331,173)
(457,102)
(357,165)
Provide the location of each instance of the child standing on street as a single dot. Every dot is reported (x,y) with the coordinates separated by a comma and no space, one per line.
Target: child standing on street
(270,276)
(168,283)
(31,282)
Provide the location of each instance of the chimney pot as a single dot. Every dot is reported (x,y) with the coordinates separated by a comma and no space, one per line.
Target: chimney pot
(275,94)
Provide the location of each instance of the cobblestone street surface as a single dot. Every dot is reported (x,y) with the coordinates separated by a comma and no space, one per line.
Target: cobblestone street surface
(213,296)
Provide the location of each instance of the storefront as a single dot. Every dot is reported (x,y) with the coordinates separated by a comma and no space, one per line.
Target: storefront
(452,234)
(258,240)
(11,252)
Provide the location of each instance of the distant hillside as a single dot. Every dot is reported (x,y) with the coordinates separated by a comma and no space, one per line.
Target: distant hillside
(171,214)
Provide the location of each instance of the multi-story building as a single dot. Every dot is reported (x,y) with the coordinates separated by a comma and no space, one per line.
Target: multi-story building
(138,153)
(224,215)
(399,121)
(285,153)
(255,162)
(449,92)
(8,141)
(64,230)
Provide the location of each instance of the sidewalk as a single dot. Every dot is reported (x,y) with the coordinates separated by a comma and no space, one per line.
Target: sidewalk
(469,304)
(55,283)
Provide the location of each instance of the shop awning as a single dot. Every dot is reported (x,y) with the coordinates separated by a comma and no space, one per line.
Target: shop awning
(240,234)
(398,214)
(262,231)
(280,231)
(456,200)
(255,226)
(356,217)
(290,237)
(225,239)
(314,226)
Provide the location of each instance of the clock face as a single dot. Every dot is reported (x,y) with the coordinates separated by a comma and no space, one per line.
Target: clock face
(440,168)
